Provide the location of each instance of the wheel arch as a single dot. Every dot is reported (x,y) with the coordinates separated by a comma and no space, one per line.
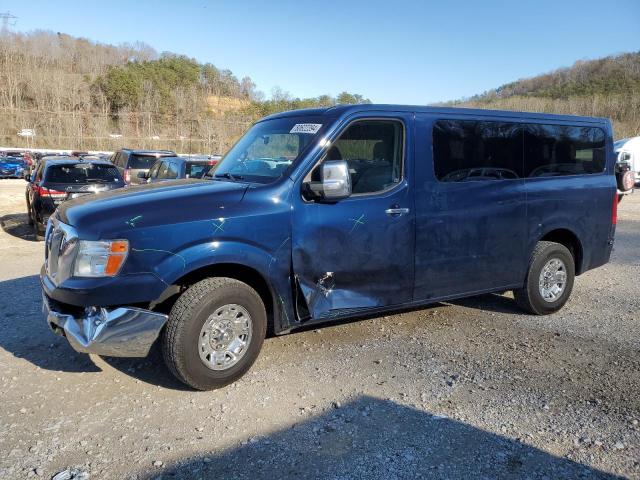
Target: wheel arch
(237,271)
(569,239)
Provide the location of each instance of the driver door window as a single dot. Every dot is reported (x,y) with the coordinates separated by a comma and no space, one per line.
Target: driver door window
(373,151)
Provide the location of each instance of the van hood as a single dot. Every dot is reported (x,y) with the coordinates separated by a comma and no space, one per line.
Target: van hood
(105,214)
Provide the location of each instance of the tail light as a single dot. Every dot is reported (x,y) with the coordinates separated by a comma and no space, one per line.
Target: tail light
(127,175)
(614,212)
(213,162)
(47,192)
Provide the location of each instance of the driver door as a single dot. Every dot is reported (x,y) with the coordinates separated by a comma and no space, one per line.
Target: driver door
(356,254)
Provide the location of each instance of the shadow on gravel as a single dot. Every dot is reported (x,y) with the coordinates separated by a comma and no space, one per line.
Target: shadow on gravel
(151,370)
(25,334)
(490,302)
(17,225)
(374,438)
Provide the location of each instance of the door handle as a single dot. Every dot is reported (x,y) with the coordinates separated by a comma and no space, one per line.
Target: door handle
(396,212)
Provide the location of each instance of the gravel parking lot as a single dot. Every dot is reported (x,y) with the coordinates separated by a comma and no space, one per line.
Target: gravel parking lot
(467,389)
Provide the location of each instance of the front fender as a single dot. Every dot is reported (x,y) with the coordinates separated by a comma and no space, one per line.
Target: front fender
(272,263)
(274,268)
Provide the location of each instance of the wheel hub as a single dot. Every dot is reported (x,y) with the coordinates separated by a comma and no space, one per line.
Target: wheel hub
(553,280)
(225,337)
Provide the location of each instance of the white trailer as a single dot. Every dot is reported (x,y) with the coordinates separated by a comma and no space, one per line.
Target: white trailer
(628,149)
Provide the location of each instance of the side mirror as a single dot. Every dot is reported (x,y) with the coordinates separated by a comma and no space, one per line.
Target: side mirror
(143,175)
(334,183)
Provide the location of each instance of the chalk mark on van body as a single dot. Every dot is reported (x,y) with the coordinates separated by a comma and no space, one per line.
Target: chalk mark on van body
(356,222)
(218,227)
(132,221)
(157,250)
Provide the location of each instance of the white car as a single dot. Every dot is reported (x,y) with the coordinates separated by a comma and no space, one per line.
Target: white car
(628,150)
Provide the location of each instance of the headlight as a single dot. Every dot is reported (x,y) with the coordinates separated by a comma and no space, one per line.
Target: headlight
(101,258)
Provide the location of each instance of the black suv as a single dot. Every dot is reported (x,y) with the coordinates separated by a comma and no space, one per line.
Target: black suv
(131,162)
(62,178)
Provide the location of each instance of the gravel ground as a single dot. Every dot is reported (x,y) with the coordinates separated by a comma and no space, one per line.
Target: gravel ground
(467,389)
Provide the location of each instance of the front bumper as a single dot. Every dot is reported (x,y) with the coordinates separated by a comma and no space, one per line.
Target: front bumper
(121,332)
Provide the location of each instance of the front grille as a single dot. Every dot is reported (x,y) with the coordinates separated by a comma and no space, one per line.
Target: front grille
(55,240)
(60,243)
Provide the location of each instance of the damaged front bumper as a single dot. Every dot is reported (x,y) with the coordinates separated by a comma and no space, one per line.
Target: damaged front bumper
(121,332)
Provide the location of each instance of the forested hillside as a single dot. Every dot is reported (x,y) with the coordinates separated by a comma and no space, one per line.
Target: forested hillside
(75,93)
(606,87)
(79,94)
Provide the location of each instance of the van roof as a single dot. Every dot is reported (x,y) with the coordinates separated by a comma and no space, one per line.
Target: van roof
(344,110)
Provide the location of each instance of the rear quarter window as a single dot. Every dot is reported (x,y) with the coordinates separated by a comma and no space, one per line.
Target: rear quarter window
(560,150)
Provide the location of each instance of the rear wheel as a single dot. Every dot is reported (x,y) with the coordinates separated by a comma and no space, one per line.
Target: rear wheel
(549,279)
(214,333)
(38,230)
(29,217)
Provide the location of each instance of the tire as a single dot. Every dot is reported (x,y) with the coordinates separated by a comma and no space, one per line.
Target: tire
(181,339)
(29,217)
(38,232)
(620,197)
(530,297)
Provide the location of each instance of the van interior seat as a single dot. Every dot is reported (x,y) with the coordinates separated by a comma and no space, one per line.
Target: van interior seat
(377,174)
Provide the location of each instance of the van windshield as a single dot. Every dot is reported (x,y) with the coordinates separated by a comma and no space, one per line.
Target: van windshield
(268,149)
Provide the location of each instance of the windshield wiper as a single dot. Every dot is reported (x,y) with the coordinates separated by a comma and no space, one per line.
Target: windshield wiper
(97,180)
(230,176)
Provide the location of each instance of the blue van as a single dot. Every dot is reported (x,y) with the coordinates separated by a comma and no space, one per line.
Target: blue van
(324,214)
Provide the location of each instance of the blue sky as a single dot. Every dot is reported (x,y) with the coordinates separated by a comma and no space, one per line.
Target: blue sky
(391,51)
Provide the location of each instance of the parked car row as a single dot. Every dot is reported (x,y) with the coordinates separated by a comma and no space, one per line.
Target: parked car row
(12,167)
(53,179)
(59,178)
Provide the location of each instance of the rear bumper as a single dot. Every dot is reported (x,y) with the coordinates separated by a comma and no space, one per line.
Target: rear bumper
(120,332)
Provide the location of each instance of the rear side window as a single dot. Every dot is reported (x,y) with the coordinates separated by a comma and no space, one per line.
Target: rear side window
(118,159)
(196,170)
(141,161)
(172,170)
(557,150)
(466,151)
(162,170)
(82,173)
(153,173)
(373,151)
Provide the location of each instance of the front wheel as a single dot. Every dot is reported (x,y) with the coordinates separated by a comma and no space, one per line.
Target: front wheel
(214,333)
(549,279)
